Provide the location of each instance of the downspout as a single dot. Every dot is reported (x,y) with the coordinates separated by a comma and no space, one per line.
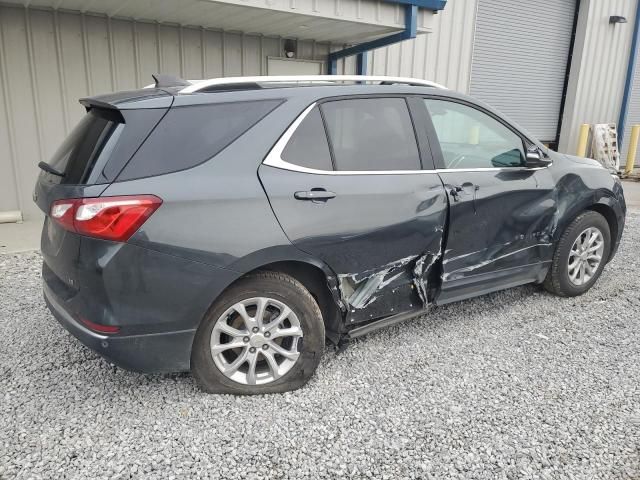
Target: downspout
(410,31)
(626,97)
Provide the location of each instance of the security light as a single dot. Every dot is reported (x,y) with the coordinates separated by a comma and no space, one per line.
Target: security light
(617,19)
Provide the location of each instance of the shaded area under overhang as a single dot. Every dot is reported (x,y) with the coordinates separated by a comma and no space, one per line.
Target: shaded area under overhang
(335,21)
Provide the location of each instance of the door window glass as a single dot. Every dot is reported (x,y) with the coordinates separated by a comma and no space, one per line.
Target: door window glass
(308,146)
(472,139)
(371,134)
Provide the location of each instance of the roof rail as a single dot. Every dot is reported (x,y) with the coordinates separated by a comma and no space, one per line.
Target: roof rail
(199,85)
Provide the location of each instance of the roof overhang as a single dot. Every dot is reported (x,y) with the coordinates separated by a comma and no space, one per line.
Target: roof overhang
(335,21)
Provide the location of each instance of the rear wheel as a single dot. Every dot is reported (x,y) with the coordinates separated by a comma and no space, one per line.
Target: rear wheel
(580,255)
(263,335)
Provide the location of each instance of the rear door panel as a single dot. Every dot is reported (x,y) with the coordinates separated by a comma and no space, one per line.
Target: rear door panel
(378,233)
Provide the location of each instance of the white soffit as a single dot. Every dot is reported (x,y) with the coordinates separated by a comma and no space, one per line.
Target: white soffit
(336,21)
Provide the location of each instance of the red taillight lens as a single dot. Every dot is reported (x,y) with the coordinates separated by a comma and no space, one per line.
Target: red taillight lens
(110,218)
(97,327)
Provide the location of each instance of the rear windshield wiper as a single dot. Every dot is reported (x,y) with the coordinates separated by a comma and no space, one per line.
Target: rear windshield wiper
(49,169)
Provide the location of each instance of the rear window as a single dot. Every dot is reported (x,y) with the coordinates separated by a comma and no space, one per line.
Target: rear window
(188,136)
(77,155)
(371,134)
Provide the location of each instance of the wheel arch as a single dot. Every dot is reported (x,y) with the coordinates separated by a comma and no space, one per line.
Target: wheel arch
(315,276)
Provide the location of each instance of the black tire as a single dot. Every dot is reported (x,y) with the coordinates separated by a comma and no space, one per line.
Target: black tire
(283,288)
(557,280)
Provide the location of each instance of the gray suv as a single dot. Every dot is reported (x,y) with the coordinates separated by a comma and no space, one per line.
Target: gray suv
(228,227)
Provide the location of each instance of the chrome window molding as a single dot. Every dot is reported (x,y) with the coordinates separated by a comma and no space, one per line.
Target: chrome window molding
(274,159)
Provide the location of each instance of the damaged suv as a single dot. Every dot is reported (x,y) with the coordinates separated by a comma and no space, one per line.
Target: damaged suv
(229,226)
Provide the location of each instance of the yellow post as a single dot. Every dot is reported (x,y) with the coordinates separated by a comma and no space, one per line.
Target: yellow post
(633,148)
(582,140)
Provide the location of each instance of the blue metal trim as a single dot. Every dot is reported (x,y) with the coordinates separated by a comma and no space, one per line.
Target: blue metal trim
(361,63)
(410,31)
(433,5)
(630,74)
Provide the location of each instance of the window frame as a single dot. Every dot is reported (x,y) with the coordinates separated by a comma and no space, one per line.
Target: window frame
(417,115)
(434,142)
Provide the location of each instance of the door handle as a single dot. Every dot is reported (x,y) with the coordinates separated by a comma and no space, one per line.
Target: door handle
(454,191)
(315,194)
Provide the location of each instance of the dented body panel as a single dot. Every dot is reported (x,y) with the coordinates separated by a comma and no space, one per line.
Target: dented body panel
(503,220)
(373,234)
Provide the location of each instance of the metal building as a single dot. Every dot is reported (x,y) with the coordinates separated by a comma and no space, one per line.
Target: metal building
(550,65)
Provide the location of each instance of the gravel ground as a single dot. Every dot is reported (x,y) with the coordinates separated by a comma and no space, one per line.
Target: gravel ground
(517,384)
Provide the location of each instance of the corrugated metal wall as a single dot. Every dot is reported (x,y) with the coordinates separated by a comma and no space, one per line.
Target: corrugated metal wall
(443,56)
(598,68)
(50,59)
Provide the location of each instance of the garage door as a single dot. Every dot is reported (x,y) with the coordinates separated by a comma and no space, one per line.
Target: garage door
(520,60)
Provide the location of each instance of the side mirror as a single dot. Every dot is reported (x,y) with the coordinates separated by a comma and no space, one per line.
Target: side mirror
(536,159)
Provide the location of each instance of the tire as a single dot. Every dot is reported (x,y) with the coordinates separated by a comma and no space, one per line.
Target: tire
(276,291)
(558,279)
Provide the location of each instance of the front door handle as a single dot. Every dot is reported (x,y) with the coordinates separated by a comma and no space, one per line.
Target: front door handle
(315,194)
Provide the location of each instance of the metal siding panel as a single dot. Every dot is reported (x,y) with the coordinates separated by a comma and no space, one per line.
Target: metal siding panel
(232,54)
(148,49)
(124,54)
(213,54)
(73,55)
(8,180)
(251,55)
(21,107)
(598,68)
(98,55)
(46,82)
(192,52)
(444,55)
(170,52)
(518,69)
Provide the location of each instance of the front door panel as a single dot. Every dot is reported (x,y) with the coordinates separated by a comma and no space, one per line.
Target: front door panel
(379,233)
(499,230)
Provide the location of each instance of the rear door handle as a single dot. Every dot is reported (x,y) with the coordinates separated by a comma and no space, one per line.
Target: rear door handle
(314,194)
(454,191)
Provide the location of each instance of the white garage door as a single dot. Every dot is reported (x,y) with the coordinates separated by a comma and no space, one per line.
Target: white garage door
(520,60)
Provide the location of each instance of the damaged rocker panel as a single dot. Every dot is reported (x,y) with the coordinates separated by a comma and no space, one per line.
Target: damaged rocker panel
(393,289)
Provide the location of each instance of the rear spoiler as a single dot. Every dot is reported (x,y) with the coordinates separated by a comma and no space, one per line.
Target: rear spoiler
(134,99)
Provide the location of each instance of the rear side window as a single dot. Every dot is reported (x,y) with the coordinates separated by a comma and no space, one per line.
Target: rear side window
(77,155)
(308,146)
(188,136)
(371,134)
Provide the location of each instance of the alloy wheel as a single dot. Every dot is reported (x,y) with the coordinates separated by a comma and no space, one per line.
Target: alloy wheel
(585,256)
(256,341)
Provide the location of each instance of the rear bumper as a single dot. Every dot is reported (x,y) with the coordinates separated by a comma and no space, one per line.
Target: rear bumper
(147,353)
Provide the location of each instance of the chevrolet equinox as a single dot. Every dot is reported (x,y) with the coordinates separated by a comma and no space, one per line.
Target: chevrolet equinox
(228,226)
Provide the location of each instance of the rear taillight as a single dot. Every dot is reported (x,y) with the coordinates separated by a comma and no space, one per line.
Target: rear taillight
(109,218)
(98,327)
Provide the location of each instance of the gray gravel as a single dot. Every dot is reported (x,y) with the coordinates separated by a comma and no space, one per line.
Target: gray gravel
(518,384)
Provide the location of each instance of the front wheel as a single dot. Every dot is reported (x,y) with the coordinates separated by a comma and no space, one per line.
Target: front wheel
(265,334)
(580,256)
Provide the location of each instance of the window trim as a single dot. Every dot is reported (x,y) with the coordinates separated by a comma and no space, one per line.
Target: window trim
(434,142)
(274,157)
